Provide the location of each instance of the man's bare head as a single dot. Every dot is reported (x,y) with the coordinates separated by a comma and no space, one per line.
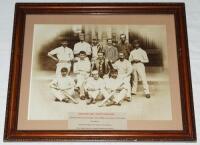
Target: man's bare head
(95,74)
(81,36)
(64,71)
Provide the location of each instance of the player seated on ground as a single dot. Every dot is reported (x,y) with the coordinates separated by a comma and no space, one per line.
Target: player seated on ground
(116,89)
(63,87)
(95,87)
(82,71)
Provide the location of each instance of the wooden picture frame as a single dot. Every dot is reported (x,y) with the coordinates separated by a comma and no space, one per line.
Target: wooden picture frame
(18,60)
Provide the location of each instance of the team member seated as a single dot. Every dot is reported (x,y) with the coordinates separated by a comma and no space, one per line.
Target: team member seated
(82,71)
(95,86)
(116,89)
(63,87)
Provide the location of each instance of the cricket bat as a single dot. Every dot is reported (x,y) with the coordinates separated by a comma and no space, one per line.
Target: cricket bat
(70,97)
(111,94)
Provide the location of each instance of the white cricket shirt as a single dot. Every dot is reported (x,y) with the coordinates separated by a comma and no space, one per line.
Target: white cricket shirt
(63,53)
(124,67)
(139,54)
(82,46)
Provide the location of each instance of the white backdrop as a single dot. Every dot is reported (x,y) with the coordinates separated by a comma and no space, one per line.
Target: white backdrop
(6,28)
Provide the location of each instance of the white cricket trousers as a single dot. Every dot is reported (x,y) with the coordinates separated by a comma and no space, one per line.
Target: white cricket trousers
(81,78)
(61,94)
(139,71)
(94,94)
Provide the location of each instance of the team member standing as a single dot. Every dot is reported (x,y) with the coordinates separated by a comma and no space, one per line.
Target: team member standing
(82,46)
(124,68)
(95,86)
(63,87)
(64,56)
(102,64)
(124,46)
(96,47)
(82,70)
(111,52)
(116,89)
(137,58)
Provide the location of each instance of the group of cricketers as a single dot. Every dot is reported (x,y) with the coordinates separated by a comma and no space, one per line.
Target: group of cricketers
(98,73)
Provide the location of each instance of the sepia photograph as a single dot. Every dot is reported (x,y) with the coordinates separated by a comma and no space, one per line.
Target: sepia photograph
(99,68)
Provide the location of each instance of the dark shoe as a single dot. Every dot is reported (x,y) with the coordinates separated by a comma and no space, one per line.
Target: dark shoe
(86,95)
(148,96)
(90,101)
(57,100)
(110,103)
(133,94)
(99,98)
(76,89)
(118,104)
(82,97)
(128,99)
(65,100)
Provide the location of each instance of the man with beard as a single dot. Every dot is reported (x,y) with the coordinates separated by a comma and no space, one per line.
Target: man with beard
(137,58)
(82,68)
(124,46)
(111,52)
(95,87)
(124,68)
(96,47)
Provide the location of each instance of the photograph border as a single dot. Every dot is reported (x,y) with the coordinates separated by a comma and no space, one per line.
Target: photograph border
(22,9)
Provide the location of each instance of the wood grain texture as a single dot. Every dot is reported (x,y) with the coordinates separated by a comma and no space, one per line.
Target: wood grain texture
(22,9)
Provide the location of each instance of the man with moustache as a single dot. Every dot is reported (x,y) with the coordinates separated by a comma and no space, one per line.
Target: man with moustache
(95,87)
(111,52)
(124,46)
(102,64)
